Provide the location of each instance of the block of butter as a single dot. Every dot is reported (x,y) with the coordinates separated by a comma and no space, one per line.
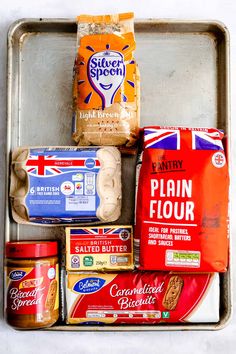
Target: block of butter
(63,185)
(103,248)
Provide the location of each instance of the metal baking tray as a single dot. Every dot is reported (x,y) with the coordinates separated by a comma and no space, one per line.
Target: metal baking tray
(184,81)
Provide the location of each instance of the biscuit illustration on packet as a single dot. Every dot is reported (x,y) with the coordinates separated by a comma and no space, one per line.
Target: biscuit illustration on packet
(51,297)
(173,292)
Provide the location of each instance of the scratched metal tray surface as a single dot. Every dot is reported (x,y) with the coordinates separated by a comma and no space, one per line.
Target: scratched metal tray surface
(184,69)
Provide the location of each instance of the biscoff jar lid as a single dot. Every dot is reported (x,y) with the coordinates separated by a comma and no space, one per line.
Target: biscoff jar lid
(31,249)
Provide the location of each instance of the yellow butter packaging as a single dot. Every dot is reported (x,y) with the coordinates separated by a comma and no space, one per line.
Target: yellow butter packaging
(100,248)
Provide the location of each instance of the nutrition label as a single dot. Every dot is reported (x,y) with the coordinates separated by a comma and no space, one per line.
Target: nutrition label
(182,258)
(123,314)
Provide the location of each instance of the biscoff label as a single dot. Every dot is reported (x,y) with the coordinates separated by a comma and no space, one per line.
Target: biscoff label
(135,297)
(99,248)
(182,200)
(32,290)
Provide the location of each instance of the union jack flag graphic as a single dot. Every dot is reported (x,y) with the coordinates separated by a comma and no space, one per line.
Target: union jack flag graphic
(99,232)
(49,165)
(162,138)
(170,139)
(211,140)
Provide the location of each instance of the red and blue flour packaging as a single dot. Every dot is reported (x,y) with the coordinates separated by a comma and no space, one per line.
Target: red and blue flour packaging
(182,201)
(61,185)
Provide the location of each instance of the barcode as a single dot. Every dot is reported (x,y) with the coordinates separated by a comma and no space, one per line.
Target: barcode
(138,168)
(61,149)
(136,251)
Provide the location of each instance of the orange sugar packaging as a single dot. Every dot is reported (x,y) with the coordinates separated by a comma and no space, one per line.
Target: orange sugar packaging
(106,81)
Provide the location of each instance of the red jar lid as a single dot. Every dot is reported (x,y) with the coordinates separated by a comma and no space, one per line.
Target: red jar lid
(31,249)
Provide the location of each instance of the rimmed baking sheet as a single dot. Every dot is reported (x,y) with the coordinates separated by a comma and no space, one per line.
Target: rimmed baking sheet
(184,81)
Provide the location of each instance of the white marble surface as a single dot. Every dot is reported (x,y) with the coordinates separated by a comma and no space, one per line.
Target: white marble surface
(173,342)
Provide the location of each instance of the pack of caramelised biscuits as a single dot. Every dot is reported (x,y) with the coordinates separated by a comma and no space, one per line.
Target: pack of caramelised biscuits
(164,268)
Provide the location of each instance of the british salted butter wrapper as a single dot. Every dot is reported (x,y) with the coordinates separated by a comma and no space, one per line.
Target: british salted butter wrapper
(142,298)
(60,185)
(100,248)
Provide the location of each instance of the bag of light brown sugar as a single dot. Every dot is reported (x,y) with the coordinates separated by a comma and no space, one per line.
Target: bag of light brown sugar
(106,82)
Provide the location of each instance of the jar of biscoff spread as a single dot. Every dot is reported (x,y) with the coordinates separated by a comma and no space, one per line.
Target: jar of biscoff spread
(32,299)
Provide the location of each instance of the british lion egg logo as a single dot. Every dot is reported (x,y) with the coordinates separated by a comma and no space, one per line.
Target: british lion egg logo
(17,274)
(67,188)
(88,285)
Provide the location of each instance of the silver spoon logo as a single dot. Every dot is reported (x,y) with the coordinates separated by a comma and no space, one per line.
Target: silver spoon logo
(106,73)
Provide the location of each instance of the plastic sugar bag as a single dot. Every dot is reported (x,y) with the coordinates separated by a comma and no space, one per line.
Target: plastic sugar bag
(106,82)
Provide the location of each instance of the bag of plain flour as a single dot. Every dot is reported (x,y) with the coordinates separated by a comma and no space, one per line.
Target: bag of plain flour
(182,201)
(106,82)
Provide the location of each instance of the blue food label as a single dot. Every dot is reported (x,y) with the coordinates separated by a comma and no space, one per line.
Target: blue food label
(88,285)
(17,274)
(62,185)
(90,163)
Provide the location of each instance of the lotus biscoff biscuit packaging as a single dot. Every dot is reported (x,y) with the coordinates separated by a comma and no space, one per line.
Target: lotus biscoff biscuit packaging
(106,81)
(142,298)
(182,201)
